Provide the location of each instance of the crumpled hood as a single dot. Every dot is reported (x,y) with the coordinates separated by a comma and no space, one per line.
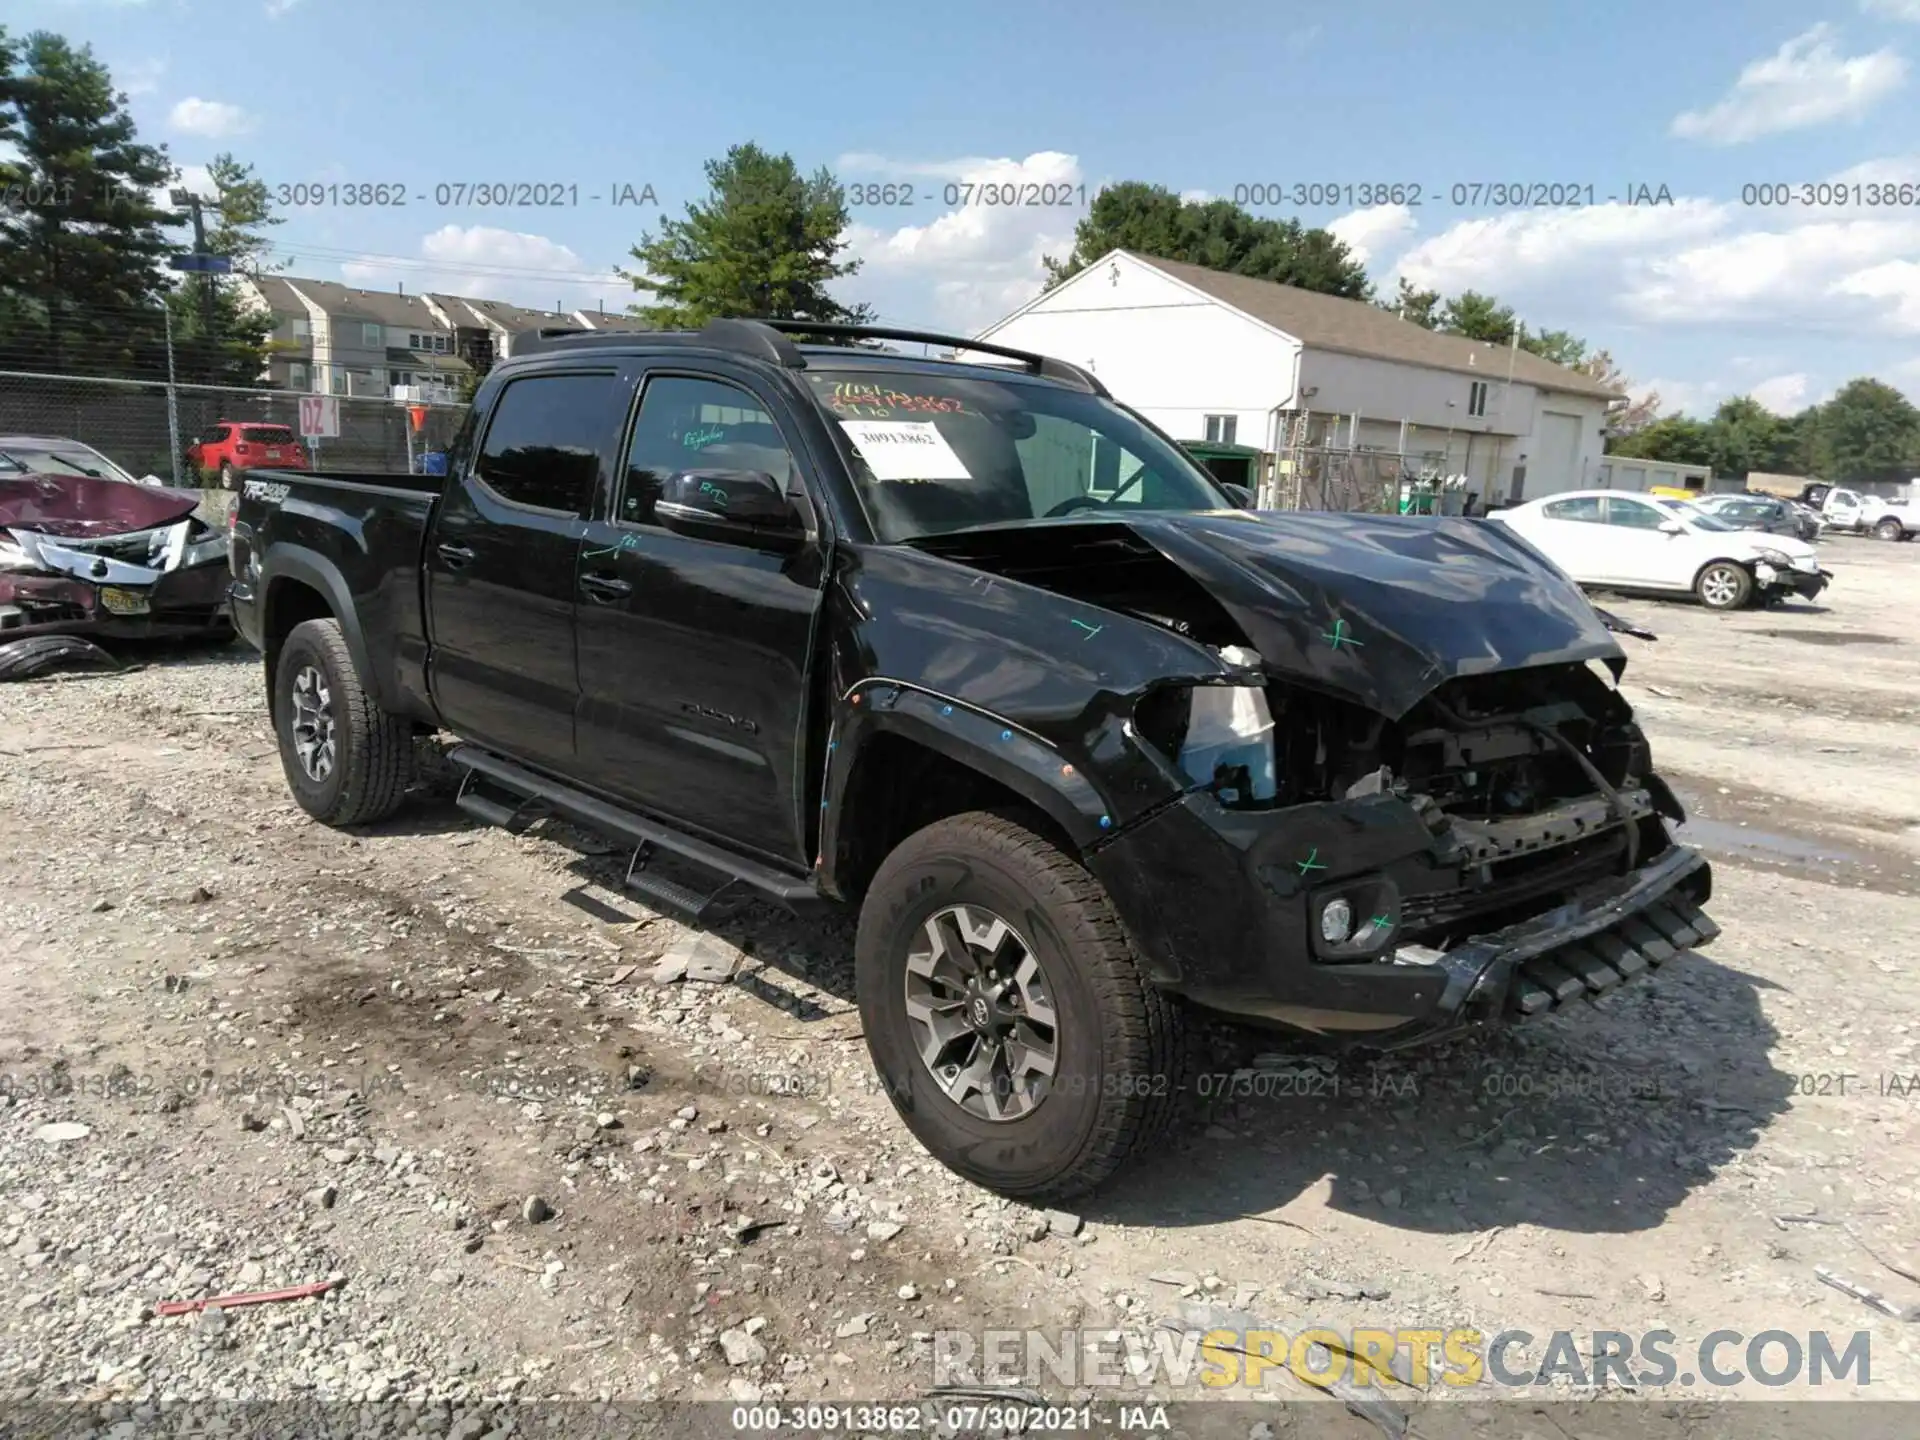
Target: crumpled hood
(1382,608)
(83,507)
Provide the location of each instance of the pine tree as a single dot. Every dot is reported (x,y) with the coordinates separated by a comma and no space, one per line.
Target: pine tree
(81,246)
(765,242)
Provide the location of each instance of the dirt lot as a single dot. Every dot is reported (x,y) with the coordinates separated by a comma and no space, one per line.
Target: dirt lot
(385,1058)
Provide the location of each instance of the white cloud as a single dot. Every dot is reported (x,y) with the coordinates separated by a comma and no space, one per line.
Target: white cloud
(494,264)
(1367,232)
(1526,253)
(1893,9)
(1782,394)
(979,261)
(141,77)
(196,178)
(276,8)
(1195,197)
(214,119)
(1695,262)
(1689,397)
(1805,82)
(1826,274)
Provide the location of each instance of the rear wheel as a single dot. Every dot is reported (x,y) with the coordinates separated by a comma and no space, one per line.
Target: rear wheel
(1889,529)
(347,761)
(1723,585)
(226,476)
(1012,1025)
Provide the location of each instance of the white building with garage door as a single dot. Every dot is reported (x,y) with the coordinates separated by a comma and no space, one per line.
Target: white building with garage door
(1300,376)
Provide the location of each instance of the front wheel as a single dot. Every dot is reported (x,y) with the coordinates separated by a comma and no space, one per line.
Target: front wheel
(1889,529)
(1723,586)
(347,761)
(1014,1029)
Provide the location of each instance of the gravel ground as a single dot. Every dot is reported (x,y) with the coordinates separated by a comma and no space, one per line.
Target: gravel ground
(548,1143)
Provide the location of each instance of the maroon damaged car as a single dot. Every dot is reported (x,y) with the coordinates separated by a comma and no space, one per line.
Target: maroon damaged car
(87,550)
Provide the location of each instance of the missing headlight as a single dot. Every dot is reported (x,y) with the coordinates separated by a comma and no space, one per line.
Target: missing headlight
(1220,736)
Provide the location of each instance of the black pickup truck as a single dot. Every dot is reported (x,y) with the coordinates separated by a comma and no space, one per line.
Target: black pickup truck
(977,649)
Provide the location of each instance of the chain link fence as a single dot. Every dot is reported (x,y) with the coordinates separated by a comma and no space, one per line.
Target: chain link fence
(138,424)
(1366,482)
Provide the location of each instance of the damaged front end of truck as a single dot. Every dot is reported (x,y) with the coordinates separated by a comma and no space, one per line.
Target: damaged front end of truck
(1411,799)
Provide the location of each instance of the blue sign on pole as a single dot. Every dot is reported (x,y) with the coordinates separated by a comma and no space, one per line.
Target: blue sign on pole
(202,264)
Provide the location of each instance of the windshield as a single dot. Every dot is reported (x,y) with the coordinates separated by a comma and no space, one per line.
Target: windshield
(1696,517)
(66,460)
(946,452)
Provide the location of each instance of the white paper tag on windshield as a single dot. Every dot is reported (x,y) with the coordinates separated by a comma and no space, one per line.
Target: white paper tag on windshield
(905,450)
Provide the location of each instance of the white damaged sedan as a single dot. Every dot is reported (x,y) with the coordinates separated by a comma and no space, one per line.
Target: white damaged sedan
(1610,540)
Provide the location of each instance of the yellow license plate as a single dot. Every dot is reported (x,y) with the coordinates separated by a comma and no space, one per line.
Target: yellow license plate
(124,602)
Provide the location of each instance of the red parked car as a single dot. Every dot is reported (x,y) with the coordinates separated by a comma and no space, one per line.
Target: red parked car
(231,446)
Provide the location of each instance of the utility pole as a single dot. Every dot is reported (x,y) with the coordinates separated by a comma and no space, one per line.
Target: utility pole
(196,206)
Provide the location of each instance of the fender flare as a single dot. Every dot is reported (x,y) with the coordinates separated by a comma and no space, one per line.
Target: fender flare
(997,748)
(317,572)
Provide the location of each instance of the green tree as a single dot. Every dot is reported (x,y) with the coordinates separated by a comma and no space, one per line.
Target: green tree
(1867,431)
(765,242)
(1478,317)
(1745,436)
(1152,220)
(1421,307)
(219,339)
(82,277)
(1559,346)
(1671,437)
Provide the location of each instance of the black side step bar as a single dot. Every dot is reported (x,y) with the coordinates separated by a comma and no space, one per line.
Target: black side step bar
(538,796)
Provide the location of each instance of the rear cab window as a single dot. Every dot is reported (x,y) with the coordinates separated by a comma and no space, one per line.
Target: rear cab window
(547,439)
(266,434)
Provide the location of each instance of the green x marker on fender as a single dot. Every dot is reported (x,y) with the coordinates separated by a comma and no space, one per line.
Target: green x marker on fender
(1338,636)
(1312,862)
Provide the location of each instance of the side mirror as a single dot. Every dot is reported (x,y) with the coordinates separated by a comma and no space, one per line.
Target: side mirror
(747,506)
(1672,527)
(1239,494)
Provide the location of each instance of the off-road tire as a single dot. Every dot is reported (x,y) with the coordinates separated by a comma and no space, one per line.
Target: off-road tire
(374,750)
(1723,585)
(1121,1043)
(1889,529)
(227,481)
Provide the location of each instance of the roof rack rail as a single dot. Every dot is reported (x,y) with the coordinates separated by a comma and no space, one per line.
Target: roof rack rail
(767,340)
(530,342)
(1043,365)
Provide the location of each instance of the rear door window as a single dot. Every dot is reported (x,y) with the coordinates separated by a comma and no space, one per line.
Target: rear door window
(547,440)
(1586,508)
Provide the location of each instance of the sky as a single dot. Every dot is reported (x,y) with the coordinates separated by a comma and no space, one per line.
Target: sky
(1708,291)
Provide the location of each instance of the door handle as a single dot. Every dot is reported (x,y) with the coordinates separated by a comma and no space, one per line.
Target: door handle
(454,555)
(605,587)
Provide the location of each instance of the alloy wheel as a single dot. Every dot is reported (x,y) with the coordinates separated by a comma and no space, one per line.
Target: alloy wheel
(313,737)
(981,1012)
(1719,588)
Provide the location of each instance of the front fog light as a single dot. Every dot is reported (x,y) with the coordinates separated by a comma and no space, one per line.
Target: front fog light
(1336,922)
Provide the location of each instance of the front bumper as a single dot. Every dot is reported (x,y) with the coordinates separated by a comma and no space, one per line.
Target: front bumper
(1805,583)
(1219,906)
(190,601)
